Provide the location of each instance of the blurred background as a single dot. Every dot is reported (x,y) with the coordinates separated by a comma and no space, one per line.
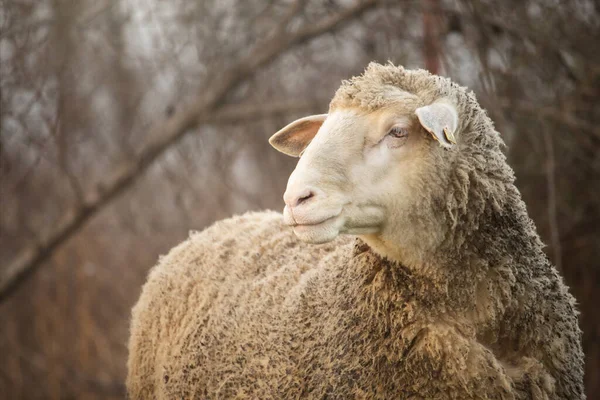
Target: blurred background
(127,123)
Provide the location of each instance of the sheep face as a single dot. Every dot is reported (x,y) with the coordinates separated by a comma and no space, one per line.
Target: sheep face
(363,172)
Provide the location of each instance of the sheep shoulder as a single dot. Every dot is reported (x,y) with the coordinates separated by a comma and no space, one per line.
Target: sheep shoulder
(222,287)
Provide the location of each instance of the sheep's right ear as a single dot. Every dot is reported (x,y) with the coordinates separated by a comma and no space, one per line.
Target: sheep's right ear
(441,120)
(294,138)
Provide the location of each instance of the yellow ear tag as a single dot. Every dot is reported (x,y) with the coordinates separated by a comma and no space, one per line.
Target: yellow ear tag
(449,135)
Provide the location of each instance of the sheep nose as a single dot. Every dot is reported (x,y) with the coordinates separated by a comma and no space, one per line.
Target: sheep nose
(295,198)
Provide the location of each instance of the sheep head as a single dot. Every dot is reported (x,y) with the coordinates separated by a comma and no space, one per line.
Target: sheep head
(370,170)
(391,162)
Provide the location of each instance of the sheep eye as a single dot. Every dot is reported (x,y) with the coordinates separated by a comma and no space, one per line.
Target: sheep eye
(398,132)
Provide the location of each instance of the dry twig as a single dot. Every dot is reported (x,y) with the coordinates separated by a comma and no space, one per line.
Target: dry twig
(202,109)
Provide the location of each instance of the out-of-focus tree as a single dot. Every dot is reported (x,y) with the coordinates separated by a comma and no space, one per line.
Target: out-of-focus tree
(126,123)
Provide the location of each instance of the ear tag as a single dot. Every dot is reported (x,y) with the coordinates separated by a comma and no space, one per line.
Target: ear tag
(449,135)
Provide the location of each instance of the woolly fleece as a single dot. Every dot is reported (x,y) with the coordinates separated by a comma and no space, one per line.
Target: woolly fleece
(245,310)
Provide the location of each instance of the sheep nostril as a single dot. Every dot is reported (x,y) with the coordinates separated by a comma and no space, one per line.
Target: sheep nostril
(294,198)
(304,197)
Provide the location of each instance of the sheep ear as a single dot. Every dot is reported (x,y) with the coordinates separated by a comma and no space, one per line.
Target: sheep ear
(441,120)
(294,138)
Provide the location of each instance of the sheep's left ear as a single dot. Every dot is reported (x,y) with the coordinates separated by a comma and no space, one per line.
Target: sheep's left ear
(441,120)
(294,138)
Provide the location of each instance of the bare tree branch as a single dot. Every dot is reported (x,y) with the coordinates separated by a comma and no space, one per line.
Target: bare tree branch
(165,135)
(553,113)
(552,207)
(247,112)
(431,36)
(74,220)
(45,22)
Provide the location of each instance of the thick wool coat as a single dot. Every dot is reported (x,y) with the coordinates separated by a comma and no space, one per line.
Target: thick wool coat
(245,310)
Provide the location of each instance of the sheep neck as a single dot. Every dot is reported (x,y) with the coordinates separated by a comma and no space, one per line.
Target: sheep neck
(469,267)
(378,276)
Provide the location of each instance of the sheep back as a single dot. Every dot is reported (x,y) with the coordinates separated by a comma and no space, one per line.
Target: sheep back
(212,312)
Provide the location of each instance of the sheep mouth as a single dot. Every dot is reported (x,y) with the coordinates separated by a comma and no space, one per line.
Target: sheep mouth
(312,217)
(315,223)
(319,231)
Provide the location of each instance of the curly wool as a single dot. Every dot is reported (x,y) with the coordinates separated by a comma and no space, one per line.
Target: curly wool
(245,310)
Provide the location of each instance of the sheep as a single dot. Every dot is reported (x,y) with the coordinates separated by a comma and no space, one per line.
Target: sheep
(411,269)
